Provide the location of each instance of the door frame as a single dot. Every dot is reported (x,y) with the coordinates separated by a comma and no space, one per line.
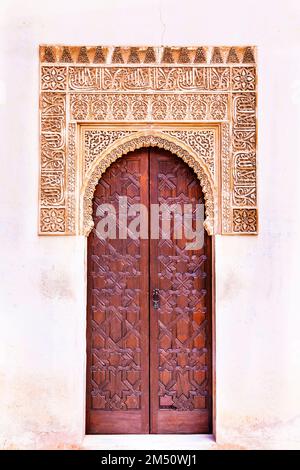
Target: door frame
(75,96)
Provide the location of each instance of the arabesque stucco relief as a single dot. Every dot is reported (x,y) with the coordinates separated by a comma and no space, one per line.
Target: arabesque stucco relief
(98,103)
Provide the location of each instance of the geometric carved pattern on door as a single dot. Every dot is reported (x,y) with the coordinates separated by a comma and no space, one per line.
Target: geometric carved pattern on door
(116,364)
(188,343)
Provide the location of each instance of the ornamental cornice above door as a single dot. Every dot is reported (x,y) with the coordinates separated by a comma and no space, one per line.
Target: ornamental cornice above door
(199,101)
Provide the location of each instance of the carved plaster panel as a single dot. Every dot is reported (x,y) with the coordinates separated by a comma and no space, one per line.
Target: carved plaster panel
(98,103)
(148,139)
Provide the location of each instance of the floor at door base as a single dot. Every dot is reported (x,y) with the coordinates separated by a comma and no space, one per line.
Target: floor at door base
(149,442)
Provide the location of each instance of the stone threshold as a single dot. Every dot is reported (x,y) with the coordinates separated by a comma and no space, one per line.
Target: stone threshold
(149,442)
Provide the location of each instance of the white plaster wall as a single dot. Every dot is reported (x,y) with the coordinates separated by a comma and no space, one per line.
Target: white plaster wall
(42,284)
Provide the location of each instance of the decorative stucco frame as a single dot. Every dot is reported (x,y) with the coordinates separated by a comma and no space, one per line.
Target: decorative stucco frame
(98,103)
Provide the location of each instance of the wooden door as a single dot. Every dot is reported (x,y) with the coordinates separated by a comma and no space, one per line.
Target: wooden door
(180,328)
(118,311)
(148,369)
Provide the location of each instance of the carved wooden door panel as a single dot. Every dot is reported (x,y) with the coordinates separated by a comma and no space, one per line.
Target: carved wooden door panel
(181,326)
(118,311)
(148,369)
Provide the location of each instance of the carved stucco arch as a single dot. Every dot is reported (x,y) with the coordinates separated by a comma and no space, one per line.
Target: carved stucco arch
(136,141)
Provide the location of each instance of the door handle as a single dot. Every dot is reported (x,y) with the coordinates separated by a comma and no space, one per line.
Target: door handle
(155,298)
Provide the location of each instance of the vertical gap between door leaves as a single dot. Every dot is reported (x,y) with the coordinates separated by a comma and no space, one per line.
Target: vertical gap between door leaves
(149,296)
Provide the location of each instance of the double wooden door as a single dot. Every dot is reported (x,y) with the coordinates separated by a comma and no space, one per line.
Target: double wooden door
(149,310)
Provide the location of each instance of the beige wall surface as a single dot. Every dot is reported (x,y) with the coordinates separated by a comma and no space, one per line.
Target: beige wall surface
(42,290)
